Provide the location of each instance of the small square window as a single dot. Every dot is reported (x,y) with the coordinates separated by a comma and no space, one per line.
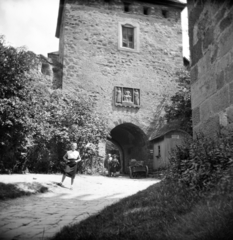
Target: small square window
(126,6)
(146,10)
(165,13)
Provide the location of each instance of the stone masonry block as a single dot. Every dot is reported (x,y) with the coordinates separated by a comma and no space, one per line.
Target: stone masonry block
(203,89)
(196,52)
(226,22)
(194,74)
(220,100)
(224,62)
(196,116)
(194,13)
(208,37)
(219,16)
(230,114)
(229,73)
(191,33)
(220,80)
(211,126)
(214,53)
(206,110)
(195,34)
(231,93)
(225,42)
(204,65)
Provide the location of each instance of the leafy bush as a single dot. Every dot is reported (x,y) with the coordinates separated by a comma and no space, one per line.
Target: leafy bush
(15,84)
(37,123)
(202,162)
(63,118)
(179,108)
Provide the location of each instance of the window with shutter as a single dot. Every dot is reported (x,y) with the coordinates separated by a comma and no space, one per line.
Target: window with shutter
(127,37)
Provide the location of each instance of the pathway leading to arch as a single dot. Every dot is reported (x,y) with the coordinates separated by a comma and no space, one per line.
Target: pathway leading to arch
(41,216)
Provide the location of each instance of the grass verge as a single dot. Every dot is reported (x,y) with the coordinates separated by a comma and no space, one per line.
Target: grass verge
(162,212)
(9,191)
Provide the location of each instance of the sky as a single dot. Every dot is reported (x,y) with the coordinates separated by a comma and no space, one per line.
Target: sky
(32,24)
(185,37)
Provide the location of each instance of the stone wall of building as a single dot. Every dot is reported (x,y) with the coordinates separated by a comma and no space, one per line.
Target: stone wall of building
(211,45)
(93,63)
(47,70)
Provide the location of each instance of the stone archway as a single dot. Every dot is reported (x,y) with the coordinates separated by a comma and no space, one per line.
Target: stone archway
(133,142)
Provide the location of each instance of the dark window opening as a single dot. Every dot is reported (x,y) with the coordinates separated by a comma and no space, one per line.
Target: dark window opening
(165,13)
(126,7)
(159,151)
(107,1)
(45,69)
(146,10)
(127,37)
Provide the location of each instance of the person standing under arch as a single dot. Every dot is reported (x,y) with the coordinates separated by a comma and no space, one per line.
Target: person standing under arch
(114,166)
(109,160)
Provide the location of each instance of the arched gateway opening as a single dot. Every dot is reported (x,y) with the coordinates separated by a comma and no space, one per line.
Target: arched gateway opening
(131,141)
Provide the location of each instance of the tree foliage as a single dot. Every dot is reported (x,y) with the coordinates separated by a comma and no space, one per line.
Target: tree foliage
(62,118)
(36,122)
(14,64)
(179,108)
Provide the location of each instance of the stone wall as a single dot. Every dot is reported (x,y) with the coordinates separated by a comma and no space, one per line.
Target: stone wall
(211,38)
(55,68)
(47,70)
(93,63)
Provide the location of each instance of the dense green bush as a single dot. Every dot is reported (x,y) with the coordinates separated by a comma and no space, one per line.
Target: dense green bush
(15,84)
(179,108)
(38,123)
(202,162)
(63,118)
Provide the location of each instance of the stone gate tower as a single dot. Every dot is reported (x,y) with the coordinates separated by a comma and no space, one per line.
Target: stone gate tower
(124,54)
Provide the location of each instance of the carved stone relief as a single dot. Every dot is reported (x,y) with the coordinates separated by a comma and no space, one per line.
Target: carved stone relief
(127,97)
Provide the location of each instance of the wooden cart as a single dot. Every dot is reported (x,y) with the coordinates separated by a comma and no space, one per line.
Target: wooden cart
(138,168)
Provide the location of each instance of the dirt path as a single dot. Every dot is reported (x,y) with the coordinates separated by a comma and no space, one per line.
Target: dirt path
(41,216)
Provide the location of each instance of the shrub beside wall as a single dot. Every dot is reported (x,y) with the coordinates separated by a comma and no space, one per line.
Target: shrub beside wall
(203,162)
